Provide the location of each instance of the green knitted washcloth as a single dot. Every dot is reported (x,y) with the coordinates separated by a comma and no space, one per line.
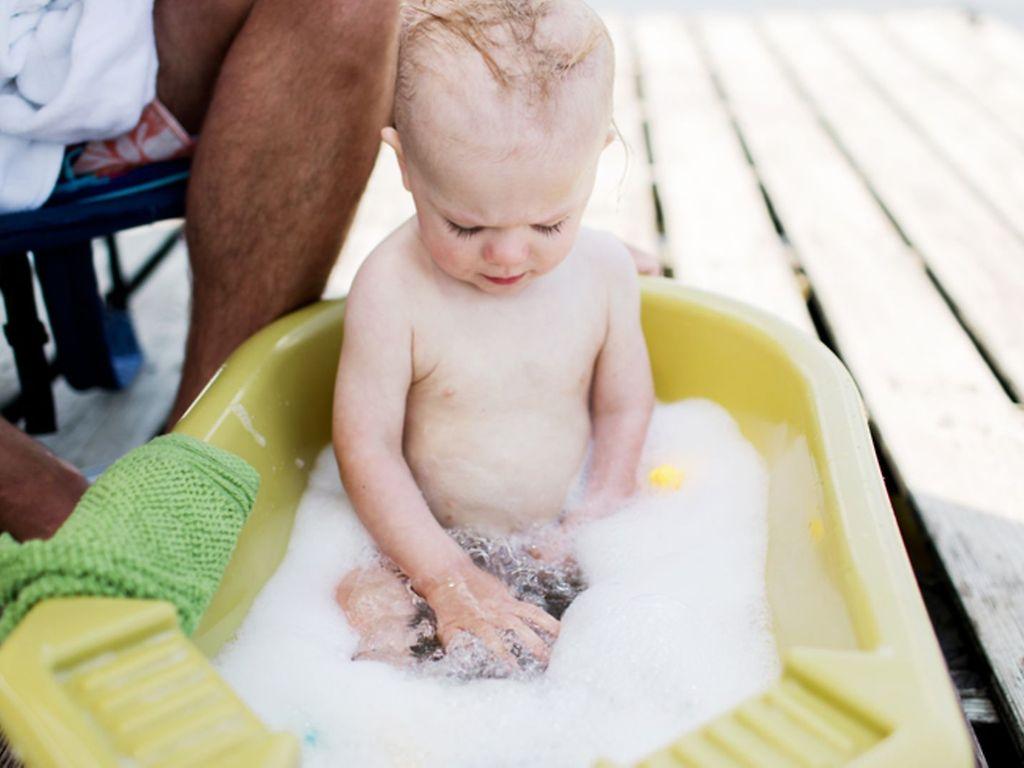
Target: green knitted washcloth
(161,523)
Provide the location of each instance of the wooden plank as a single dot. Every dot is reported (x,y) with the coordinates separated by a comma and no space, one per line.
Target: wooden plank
(956,440)
(720,235)
(960,135)
(623,200)
(1002,41)
(942,41)
(978,260)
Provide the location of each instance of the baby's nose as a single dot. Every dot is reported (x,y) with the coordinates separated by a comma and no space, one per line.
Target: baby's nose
(506,251)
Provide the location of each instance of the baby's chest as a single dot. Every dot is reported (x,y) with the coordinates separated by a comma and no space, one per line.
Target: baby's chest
(506,357)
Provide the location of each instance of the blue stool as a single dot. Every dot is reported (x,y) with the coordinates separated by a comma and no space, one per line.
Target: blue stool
(94,338)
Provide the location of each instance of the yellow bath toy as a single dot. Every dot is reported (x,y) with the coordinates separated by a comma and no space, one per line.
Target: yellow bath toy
(666,476)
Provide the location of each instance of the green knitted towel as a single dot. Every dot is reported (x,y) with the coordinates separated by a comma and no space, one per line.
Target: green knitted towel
(161,523)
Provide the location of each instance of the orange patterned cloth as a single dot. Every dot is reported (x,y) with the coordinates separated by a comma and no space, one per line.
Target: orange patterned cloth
(157,136)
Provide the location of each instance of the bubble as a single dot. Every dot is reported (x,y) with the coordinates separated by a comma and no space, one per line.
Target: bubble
(551,586)
(664,622)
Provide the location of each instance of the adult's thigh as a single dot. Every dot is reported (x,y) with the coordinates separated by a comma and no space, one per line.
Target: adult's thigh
(192,39)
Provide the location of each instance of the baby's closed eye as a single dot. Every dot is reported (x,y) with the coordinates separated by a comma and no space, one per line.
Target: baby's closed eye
(550,229)
(466,232)
(462,231)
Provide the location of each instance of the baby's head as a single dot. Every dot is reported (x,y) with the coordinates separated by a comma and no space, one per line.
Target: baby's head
(502,108)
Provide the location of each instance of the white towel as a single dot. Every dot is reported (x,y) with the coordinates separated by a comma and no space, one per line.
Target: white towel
(70,71)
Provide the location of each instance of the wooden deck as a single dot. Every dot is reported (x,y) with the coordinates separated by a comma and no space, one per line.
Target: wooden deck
(861,176)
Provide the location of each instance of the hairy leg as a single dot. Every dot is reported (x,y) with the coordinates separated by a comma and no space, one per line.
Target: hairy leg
(192,40)
(290,103)
(380,607)
(37,490)
(287,145)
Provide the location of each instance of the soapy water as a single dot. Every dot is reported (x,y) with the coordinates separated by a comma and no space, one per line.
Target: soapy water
(514,560)
(551,586)
(665,625)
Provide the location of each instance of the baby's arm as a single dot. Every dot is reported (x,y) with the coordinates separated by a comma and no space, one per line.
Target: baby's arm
(622,393)
(374,376)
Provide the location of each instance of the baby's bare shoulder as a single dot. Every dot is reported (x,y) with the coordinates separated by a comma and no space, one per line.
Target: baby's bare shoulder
(386,292)
(385,274)
(608,259)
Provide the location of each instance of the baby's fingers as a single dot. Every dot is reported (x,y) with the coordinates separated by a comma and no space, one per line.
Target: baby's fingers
(538,618)
(497,645)
(529,640)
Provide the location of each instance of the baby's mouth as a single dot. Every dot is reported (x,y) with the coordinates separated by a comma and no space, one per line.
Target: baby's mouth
(506,280)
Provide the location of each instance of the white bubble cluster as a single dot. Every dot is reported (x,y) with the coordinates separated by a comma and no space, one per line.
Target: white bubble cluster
(672,629)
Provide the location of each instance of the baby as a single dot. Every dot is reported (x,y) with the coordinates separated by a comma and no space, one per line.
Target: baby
(489,339)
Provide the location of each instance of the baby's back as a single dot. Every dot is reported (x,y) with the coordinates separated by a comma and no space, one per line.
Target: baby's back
(497,417)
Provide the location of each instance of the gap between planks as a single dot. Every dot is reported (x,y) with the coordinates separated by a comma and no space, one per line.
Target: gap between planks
(719,234)
(960,135)
(975,260)
(945,43)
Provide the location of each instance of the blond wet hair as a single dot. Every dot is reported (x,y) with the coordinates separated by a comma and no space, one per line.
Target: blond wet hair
(544,54)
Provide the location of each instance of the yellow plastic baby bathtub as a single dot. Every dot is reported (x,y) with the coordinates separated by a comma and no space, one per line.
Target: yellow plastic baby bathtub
(89,682)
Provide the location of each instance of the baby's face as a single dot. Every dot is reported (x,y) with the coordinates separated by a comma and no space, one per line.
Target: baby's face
(499,223)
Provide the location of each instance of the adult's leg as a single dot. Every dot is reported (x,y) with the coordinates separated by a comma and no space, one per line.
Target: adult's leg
(292,132)
(192,40)
(287,145)
(37,490)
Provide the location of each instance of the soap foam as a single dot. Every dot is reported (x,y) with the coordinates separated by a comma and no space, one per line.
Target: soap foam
(673,629)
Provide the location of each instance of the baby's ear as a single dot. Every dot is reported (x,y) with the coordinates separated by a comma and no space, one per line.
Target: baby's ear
(390,137)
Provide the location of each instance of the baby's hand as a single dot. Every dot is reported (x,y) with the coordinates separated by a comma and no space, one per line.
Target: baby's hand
(592,508)
(476,602)
(554,543)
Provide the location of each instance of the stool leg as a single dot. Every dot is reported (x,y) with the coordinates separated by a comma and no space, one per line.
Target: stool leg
(27,337)
(68,281)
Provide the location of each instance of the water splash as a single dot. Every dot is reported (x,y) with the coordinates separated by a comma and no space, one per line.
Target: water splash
(515,560)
